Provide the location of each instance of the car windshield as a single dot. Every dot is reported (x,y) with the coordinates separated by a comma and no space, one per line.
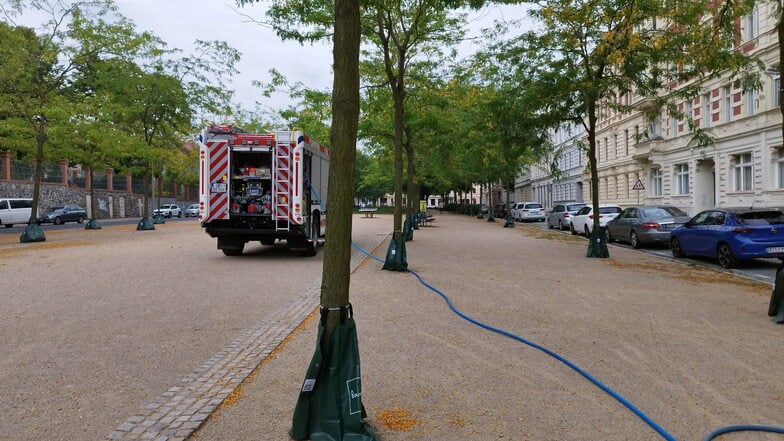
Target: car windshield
(761,217)
(533,206)
(609,210)
(574,207)
(662,212)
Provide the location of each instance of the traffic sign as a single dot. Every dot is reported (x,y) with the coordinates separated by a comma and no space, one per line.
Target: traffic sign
(638,185)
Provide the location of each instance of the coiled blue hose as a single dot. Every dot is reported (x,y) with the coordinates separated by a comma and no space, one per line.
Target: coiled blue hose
(599,384)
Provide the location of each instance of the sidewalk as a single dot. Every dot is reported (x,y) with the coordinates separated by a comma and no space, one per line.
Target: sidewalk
(690,347)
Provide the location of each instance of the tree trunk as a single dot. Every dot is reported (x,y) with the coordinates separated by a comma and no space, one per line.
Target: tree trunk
(40,140)
(413,190)
(597,244)
(336,270)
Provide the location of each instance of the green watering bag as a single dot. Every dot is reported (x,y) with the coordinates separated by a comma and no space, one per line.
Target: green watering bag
(329,406)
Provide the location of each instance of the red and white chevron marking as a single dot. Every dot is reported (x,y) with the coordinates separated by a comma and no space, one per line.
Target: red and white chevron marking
(219,171)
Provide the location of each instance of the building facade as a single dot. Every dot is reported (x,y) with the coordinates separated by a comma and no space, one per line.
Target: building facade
(657,162)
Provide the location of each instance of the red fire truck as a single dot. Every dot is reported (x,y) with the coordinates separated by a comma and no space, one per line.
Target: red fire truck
(264,187)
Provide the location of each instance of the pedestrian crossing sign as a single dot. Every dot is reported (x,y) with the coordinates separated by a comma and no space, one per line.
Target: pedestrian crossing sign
(638,185)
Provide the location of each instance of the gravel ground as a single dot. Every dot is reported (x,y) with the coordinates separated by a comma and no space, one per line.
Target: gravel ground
(91,328)
(690,347)
(96,323)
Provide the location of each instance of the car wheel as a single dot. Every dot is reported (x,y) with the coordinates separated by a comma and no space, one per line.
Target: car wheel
(587,231)
(725,256)
(549,225)
(634,240)
(179,215)
(58,221)
(80,220)
(610,238)
(560,225)
(572,230)
(675,247)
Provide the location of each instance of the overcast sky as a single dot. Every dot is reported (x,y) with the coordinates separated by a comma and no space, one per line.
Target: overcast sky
(180,22)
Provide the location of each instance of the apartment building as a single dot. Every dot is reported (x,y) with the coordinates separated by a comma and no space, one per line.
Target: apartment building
(657,162)
(538,183)
(743,167)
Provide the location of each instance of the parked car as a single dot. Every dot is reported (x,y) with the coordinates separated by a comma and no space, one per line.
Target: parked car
(61,215)
(192,210)
(15,211)
(561,215)
(513,209)
(582,221)
(500,210)
(650,224)
(168,210)
(528,211)
(731,235)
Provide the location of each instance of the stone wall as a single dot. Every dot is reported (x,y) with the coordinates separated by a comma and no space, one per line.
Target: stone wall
(109,204)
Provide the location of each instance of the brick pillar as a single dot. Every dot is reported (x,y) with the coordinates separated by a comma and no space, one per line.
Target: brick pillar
(6,172)
(64,172)
(109,178)
(88,180)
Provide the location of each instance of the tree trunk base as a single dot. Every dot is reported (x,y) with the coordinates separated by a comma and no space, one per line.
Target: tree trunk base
(33,233)
(396,254)
(145,224)
(597,244)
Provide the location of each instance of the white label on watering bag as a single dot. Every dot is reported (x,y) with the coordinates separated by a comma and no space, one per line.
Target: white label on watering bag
(308,385)
(354,389)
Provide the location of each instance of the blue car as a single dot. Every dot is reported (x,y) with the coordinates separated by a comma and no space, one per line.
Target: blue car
(731,235)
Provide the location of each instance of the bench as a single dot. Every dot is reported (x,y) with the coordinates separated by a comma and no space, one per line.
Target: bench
(368,212)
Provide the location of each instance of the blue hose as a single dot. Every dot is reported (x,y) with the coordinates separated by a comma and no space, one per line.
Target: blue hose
(577,369)
(743,428)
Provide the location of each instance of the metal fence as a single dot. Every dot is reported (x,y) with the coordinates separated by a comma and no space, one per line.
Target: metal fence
(52,173)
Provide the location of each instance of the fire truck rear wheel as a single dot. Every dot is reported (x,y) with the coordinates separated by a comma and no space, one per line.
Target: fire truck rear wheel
(313,235)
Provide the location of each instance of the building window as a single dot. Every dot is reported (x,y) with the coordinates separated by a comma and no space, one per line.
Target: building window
(706,111)
(779,167)
(777,92)
(626,141)
(682,179)
(727,103)
(751,25)
(655,128)
(656,182)
(750,102)
(743,172)
(615,145)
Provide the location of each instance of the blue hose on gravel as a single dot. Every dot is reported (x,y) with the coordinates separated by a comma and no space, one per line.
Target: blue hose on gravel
(599,384)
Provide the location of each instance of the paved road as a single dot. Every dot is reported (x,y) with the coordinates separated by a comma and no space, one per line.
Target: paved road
(98,324)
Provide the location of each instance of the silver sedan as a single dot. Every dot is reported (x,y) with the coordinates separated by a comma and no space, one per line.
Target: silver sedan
(649,224)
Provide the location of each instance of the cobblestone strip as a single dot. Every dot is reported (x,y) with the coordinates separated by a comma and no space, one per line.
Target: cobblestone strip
(179,411)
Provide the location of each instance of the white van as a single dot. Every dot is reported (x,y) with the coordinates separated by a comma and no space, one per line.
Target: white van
(15,211)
